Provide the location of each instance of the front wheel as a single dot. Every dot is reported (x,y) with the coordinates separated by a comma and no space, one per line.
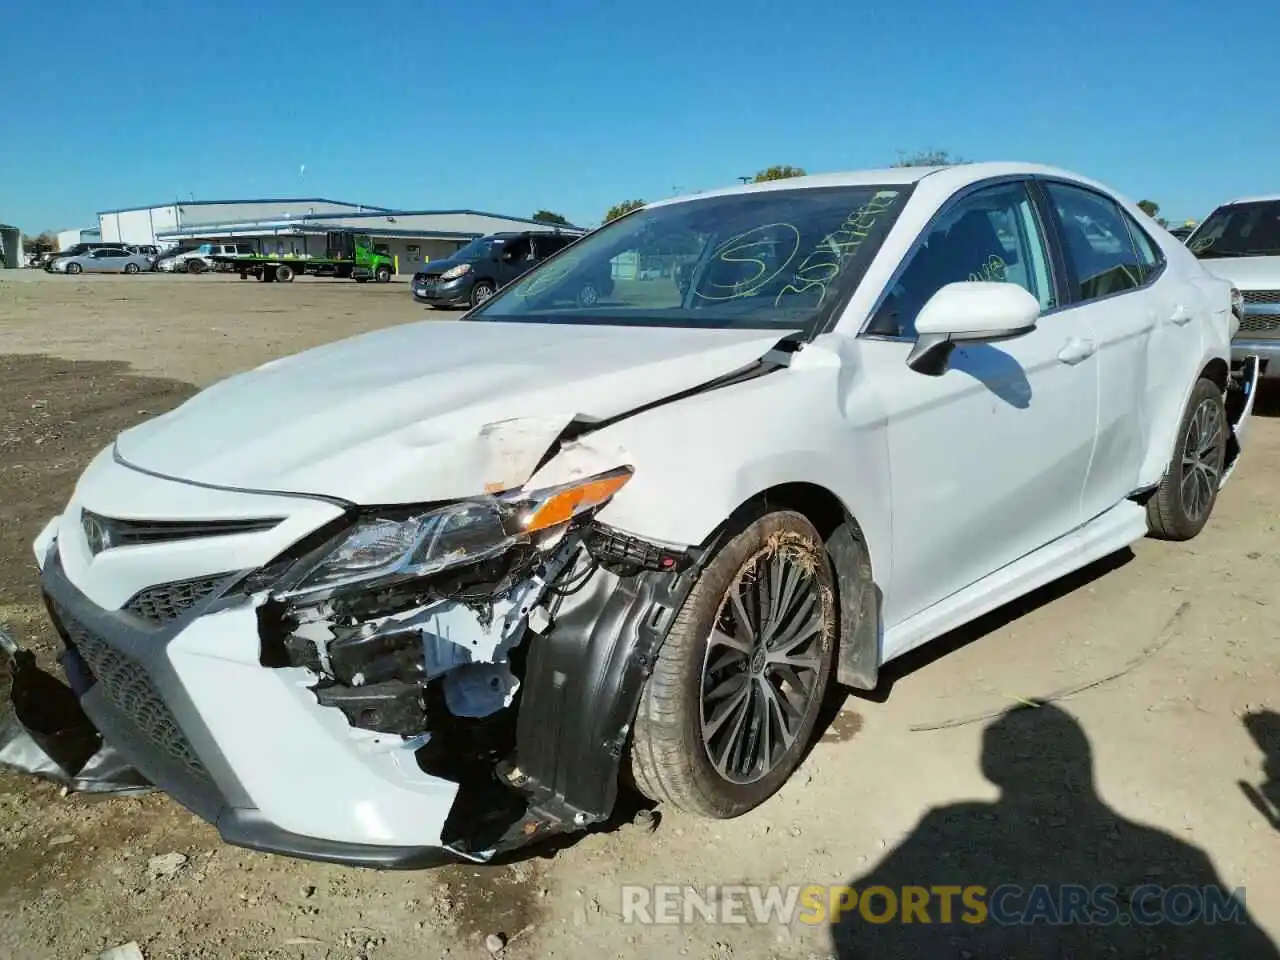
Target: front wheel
(726,715)
(1182,503)
(383,275)
(588,295)
(481,292)
(73,268)
(131,268)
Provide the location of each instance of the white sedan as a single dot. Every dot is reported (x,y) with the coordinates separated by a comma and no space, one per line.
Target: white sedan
(436,591)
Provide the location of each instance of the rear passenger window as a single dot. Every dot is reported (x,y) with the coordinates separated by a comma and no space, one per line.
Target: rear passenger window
(1099,243)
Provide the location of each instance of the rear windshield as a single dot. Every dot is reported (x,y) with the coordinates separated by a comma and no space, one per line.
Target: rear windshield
(1239,230)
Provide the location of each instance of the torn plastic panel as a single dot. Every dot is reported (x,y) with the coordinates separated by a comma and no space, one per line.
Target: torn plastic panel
(1242,390)
(45,733)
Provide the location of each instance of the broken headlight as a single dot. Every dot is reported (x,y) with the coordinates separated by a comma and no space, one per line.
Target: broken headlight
(378,551)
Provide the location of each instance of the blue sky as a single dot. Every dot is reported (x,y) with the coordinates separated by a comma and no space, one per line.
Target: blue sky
(570,105)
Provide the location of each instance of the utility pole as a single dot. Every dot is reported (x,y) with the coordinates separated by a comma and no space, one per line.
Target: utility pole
(746,179)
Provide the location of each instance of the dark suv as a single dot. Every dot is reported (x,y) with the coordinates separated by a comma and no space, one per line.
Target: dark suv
(485,265)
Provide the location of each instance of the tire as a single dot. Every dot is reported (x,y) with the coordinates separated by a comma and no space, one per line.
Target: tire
(195,266)
(131,268)
(284,273)
(74,268)
(481,292)
(679,727)
(589,295)
(1184,501)
(383,275)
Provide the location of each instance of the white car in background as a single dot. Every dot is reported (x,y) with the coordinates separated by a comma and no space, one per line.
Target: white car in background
(1240,241)
(104,260)
(435,591)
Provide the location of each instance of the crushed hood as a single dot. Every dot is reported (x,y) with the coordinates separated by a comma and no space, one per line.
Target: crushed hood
(1247,273)
(427,411)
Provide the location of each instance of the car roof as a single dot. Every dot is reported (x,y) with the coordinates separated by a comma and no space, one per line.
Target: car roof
(1263,198)
(943,179)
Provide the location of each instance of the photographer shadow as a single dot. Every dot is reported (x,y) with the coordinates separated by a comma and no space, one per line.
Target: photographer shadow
(1264,727)
(1064,875)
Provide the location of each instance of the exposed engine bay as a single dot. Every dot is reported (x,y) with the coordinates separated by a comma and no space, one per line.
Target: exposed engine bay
(443,661)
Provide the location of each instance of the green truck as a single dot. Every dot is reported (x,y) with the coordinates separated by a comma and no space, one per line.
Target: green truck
(348,255)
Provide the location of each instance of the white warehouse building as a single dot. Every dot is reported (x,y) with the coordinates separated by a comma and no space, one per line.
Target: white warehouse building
(300,227)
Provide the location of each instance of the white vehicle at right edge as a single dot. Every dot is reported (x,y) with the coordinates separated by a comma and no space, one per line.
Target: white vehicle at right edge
(1240,242)
(437,590)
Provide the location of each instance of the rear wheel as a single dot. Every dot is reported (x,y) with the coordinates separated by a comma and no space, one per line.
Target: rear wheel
(1188,493)
(284,273)
(195,266)
(729,709)
(131,268)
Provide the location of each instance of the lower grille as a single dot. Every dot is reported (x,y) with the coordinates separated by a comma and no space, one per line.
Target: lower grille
(1263,325)
(166,602)
(129,689)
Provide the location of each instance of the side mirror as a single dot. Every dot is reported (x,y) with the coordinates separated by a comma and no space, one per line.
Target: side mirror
(974,311)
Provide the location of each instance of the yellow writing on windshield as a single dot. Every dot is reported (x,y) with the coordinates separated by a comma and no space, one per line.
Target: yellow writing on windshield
(754,250)
(824,264)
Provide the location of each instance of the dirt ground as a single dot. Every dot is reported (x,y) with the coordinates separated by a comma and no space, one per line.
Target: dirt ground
(1177,739)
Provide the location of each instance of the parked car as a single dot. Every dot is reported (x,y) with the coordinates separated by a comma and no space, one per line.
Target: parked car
(1240,241)
(77,250)
(435,590)
(104,260)
(485,265)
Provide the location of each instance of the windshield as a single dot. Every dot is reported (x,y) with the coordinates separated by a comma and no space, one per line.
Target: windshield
(477,249)
(774,259)
(1239,230)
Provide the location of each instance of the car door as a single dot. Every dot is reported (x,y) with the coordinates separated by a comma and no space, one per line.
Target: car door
(100,260)
(987,459)
(1111,268)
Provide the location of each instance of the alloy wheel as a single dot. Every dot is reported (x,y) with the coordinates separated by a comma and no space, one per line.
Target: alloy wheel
(762,665)
(1202,459)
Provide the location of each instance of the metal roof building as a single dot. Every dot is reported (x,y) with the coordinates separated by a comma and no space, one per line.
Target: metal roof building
(299,226)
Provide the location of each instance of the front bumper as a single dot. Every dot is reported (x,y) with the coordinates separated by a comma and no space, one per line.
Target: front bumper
(226,738)
(447,293)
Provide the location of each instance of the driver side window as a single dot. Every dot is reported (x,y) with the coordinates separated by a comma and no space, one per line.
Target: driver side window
(992,235)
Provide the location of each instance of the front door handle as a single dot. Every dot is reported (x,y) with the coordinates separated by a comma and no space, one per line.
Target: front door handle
(1181,315)
(1077,350)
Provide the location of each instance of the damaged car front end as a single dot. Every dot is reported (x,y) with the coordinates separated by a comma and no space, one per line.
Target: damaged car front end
(456,675)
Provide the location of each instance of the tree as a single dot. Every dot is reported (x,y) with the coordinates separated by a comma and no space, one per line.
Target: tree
(549,216)
(781,172)
(46,241)
(927,158)
(621,209)
(1149,207)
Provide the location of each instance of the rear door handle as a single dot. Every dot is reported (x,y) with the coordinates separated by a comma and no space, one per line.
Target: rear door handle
(1181,315)
(1077,350)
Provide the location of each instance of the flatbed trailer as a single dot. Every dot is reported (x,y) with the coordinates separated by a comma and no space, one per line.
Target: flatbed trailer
(348,255)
